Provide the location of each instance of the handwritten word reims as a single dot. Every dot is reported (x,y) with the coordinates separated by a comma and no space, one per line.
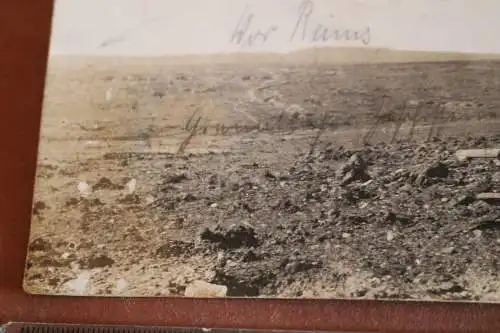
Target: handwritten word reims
(304,29)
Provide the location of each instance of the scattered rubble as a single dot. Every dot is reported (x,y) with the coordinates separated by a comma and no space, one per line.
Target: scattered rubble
(355,169)
(423,209)
(397,213)
(319,224)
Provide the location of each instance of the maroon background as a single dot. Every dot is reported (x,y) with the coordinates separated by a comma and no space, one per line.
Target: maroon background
(24,40)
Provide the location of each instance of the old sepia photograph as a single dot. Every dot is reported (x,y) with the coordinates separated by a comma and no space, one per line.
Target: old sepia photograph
(280,149)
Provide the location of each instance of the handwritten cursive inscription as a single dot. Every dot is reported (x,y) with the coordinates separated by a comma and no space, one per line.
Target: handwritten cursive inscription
(245,35)
(305,11)
(305,30)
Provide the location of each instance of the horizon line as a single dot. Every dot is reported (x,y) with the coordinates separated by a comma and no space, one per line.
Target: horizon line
(277,53)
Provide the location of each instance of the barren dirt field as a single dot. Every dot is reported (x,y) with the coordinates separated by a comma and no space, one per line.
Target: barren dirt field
(305,180)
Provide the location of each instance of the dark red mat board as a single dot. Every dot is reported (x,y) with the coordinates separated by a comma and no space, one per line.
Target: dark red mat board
(24,42)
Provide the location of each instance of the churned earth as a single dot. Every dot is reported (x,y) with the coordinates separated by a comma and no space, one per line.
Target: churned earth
(299,194)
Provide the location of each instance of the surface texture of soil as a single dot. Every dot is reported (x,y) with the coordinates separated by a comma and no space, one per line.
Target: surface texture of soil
(304,181)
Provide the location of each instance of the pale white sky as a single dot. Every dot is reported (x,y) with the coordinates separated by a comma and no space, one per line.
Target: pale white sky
(156,27)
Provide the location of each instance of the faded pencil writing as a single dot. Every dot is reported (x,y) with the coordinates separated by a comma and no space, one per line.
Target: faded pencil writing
(307,31)
(244,35)
(305,28)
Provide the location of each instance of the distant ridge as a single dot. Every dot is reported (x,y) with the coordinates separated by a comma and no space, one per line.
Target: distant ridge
(385,55)
(326,55)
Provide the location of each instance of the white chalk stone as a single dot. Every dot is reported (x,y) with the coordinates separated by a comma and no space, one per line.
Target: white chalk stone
(466,154)
(131,185)
(80,285)
(121,285)
(84,189)
(205,289)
